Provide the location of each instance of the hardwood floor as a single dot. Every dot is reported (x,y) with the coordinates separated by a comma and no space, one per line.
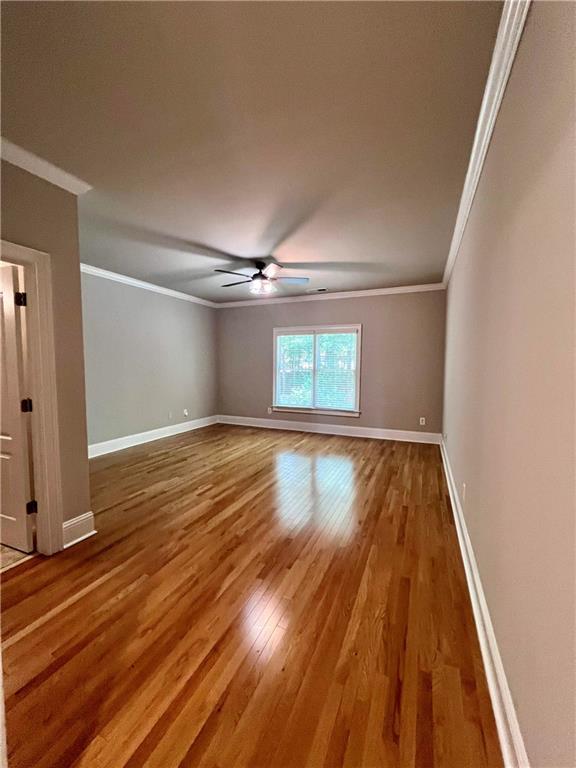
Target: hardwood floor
(253,598)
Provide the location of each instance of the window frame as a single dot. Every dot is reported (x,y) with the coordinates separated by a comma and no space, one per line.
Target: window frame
(315,330)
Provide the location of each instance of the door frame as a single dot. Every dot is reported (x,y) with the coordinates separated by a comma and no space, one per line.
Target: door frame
(43,391)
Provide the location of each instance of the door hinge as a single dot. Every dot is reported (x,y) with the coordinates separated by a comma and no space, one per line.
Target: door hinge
(31,507)
(20,299)
(26,405)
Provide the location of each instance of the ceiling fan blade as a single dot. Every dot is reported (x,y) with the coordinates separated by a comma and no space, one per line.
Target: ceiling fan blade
(339,266)
(293,280)
(241,282)
(227,272)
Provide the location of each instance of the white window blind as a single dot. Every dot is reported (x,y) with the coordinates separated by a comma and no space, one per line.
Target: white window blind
(295,371)
(317,368)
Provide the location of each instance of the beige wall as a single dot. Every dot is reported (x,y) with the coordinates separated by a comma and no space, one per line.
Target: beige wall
(147,355)
(402,357)
(509,397)
(41,216)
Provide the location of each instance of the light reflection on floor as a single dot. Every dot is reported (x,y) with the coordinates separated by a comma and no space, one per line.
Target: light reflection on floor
(316,494)
(316,490)
(265,619)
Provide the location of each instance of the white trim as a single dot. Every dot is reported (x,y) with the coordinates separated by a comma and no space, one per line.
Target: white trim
(339,295)
(35,165)
(315,411)
(116,277)
(120,443)
(106,274)
(509,33)
(78,529)
(310,329)
(43,390)
(333,429)
(511,742)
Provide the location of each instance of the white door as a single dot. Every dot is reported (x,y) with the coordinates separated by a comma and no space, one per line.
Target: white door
(16,525)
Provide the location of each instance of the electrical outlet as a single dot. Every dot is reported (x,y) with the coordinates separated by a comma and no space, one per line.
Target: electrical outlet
(269,409)
(185,411)
(463,492)
(422,421)
(170,415)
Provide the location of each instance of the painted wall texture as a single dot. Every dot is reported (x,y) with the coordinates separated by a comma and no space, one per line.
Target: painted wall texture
(148,358)
(402,357)
(509,393)
(44,217)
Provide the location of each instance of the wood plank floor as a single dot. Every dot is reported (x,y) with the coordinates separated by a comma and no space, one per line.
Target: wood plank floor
(253,598)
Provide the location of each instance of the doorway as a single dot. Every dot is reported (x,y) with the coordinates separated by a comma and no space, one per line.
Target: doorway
(18,506)
(31,492)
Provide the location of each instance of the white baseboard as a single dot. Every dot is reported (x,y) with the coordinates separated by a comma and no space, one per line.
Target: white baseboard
(511,741)
(119,443)
(78,529)
(333,429)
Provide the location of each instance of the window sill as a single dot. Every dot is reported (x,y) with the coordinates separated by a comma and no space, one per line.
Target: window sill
(315,411)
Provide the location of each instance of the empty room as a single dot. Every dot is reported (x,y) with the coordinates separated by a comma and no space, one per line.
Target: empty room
(288,384)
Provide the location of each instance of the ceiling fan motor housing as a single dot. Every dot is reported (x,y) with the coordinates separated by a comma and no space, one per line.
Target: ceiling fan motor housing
(262,283)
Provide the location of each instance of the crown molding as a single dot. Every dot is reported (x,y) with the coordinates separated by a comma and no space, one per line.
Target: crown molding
(510,30)
(332,296)
(116,277)
(35,165)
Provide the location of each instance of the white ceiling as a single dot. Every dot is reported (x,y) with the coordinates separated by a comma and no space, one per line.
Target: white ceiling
(334,135)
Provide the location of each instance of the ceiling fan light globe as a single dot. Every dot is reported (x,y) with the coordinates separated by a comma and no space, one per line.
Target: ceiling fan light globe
(262,287)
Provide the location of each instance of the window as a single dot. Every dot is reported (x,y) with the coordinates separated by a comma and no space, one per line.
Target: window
(317,369)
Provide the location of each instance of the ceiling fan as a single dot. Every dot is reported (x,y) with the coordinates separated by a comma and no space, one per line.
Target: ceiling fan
(263,280)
